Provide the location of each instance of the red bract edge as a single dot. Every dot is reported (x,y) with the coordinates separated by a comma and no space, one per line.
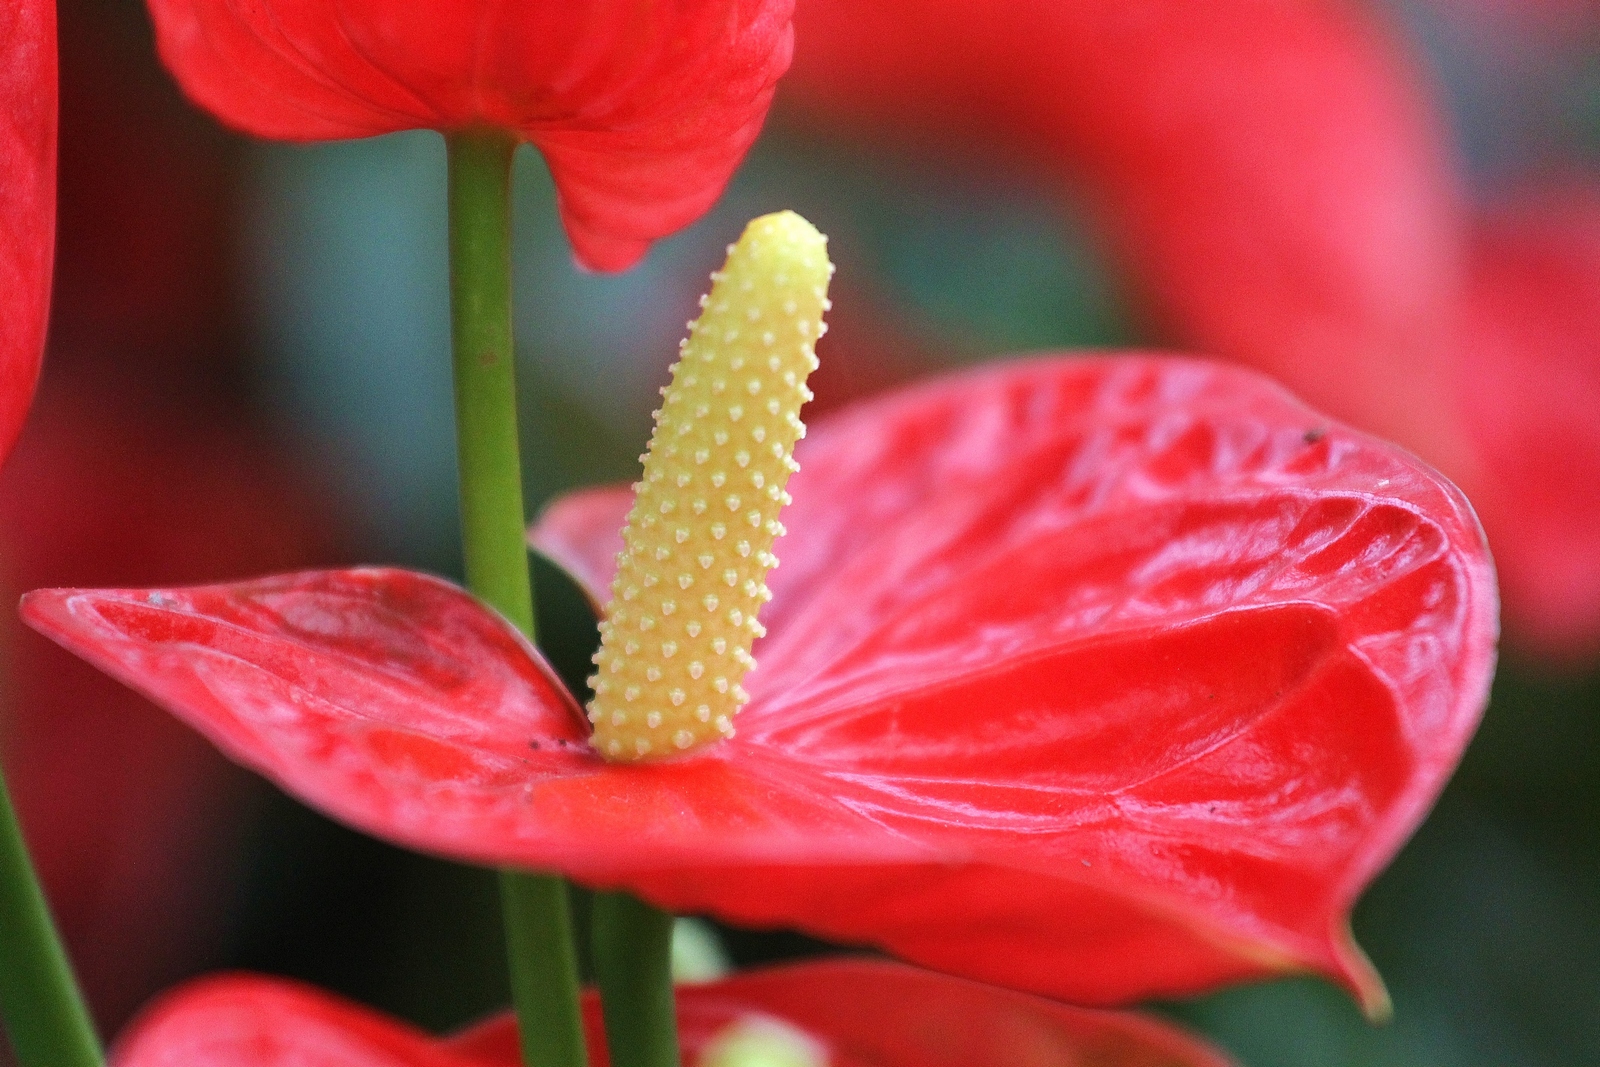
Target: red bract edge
(642,112)
(864,1013)
(1099,678)
(28,88)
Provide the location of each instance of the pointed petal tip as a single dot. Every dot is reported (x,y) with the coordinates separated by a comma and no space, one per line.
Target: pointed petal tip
(1357,974)
(1378,1008)
(39,607)
(603,253)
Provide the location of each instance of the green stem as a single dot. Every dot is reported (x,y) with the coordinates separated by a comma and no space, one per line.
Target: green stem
(633,965)
(492,520)
(544,968)
(539,946)
(44,1013)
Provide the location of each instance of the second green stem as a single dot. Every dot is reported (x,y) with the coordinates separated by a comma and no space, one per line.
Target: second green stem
(633,967)
(43,1012)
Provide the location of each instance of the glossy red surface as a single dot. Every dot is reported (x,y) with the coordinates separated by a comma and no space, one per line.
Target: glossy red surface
(642,111)
(1101,678)
(27,200)
(865,1014)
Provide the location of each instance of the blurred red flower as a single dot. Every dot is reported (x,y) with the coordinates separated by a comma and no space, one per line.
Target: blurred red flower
(642,111)
(1274,180)
(27,200)
(1096,678)
(1280,189)
(131,820)
(859,1013)
(1529,386)
(147,250)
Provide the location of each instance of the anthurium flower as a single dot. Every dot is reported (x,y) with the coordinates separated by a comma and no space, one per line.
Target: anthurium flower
(642,111)
(27,200)
(851,1013)
(1099,678)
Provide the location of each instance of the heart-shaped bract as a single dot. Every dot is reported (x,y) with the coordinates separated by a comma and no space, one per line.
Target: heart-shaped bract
(642,111)
(27,200)
(861,1013)
(1101,678)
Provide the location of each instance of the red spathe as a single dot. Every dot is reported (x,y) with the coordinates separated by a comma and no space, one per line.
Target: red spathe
(1100,678)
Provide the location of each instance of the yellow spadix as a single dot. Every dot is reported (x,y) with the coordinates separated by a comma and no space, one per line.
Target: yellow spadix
(691,579)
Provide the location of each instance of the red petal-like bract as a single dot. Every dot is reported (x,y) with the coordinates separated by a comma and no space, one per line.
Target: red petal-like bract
(642,111)
(864,1014)
(27,200)
(1100,678)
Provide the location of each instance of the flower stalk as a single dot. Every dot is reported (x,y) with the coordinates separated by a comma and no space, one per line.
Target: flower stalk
(538,922)
(44,1013)
(633,967)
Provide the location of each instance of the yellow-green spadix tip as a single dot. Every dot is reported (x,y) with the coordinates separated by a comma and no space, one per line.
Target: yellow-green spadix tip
(691,578)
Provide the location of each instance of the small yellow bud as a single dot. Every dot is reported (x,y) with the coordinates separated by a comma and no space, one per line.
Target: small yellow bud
(697,953)
(762,1041)
(777,275)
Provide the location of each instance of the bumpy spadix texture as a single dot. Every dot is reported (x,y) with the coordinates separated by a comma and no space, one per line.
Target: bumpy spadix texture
(691,578)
